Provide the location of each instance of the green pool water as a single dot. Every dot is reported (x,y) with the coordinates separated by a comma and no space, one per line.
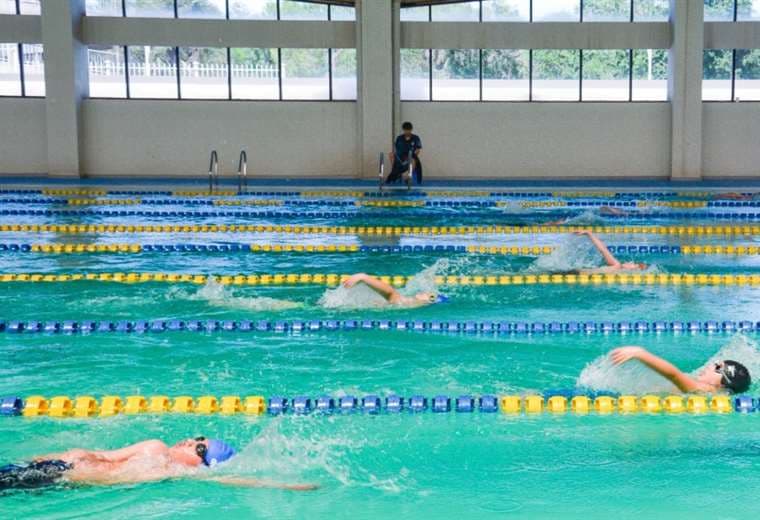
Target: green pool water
(405,465)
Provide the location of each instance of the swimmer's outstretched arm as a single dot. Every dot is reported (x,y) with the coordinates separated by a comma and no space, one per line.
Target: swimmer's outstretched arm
(383,289)
(683,382)
(601,247)
(256,483)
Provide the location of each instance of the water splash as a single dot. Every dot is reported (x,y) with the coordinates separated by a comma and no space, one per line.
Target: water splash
(570,253)
(635,378)
(587,218)
(218,295)
(362,297)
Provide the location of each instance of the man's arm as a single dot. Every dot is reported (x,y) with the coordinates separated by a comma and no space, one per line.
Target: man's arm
(384,289)
(602,248)
(666,369)
(256,483)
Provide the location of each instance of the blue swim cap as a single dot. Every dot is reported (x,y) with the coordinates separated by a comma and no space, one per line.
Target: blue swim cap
(441,299)
(217,452)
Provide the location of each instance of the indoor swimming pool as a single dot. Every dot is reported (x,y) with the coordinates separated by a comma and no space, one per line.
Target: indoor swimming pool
(223,315)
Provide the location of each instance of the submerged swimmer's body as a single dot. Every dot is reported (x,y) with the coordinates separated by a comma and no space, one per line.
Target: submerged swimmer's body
(726,375)
(391,295)
(146,461)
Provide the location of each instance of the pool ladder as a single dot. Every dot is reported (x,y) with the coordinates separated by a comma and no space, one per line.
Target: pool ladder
(213,172)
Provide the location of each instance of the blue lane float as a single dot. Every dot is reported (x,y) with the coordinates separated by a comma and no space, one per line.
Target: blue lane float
(158,326)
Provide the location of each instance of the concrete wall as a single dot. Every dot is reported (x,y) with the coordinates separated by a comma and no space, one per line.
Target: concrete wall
(142,137)
(22,135)
(520,140)
(730,140)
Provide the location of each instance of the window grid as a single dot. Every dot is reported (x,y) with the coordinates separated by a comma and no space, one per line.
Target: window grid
(175,13)
(628,97)
(20,60)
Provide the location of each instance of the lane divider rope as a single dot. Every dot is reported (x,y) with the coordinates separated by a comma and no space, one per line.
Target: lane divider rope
(555,402)
(133,248)
(331,279)
(330,325)
(685,230)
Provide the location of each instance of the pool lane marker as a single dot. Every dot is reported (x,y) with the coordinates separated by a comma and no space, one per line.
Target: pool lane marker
(137,248)
(333,279)
(385,230)
(87,406)
(493,328)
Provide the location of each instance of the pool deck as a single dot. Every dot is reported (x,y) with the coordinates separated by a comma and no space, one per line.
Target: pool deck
(200,182)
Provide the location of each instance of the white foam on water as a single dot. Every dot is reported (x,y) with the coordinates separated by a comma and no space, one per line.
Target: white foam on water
(570,253)
(635,378)
(218,295)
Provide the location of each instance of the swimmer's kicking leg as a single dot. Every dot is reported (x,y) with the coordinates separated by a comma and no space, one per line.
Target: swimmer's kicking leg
(147,461)
(724,375)
(390,294)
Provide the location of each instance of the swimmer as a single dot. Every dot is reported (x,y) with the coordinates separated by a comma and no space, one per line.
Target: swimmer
(606,211)
(726,375)
(613,264)
(391,295)
(147,461)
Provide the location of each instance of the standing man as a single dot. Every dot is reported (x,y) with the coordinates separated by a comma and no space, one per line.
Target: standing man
(407,148)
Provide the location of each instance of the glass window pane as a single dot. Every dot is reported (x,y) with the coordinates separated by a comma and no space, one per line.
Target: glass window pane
(415,14)
(203,73)
(415,75)
(254,73)
(152,72)
(150,8)
(748,10)
(650,75)
(34,69)
(506,75)
(719,10)
(342,13)
(10,72)
(344,73)
(456,75)
(253,9)
(294,10)
(651,10)
(304,74)
(460,12)
(605,75)
(606,10)
(103,8)
(201,9)
(556,75)
(106,71)
(747,75)
(30,6)
(506,10)
(716,74)
(7,6)
(556,11)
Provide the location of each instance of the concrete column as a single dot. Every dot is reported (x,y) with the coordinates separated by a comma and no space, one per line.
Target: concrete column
(685,88)
(66,84)
(396,65)
(374,41)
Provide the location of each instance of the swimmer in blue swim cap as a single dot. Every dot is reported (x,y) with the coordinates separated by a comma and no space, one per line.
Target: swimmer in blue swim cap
(391,295)
(146,461)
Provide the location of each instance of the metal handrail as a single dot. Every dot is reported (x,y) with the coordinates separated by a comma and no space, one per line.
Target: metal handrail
(381,169)
(242,172)
(213,171)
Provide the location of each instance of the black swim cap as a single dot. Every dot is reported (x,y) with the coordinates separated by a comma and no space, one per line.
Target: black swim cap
(736,377)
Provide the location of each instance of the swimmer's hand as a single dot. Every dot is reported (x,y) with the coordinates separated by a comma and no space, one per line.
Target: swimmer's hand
(257,483)
(625,354)
(353,280)
(582,232)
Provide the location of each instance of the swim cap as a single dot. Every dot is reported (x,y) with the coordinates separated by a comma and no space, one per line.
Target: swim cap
(735,376)
(441,298)
(217,452)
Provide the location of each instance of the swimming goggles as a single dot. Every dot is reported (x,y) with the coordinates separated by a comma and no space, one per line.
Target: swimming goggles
(201,449)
